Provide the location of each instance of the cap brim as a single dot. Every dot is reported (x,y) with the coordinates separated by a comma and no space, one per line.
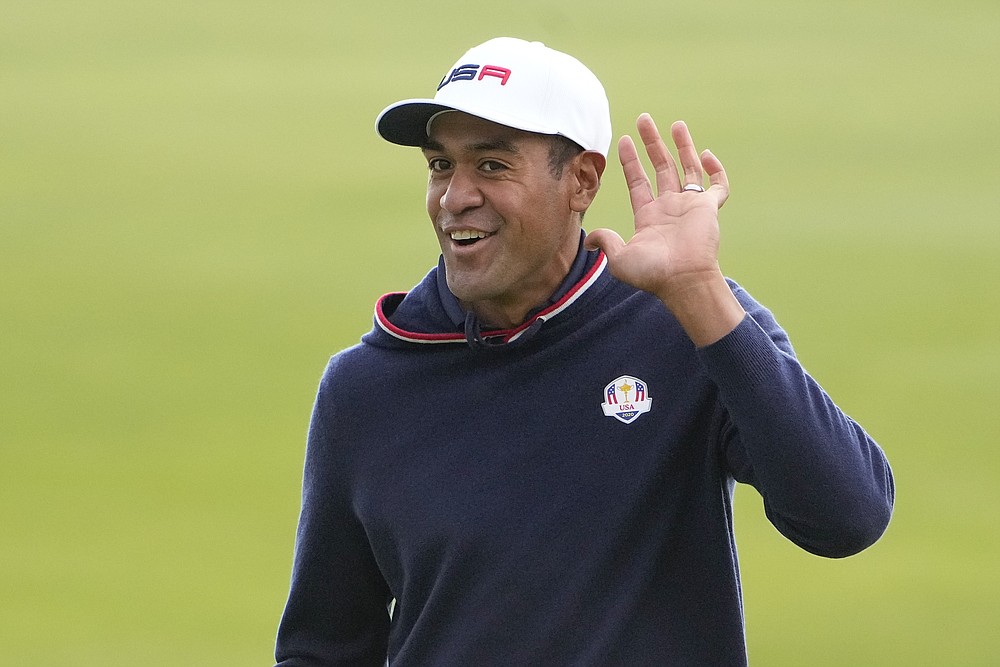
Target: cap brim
(405,123)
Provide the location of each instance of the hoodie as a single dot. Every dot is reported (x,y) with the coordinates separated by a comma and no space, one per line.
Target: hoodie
(560,493)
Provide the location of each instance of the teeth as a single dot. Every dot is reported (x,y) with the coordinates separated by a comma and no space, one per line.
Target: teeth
(467,234)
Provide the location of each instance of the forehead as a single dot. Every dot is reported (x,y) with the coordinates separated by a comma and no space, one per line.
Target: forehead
(458,131)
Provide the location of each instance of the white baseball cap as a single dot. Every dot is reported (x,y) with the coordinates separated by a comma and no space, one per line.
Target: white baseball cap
(520,84)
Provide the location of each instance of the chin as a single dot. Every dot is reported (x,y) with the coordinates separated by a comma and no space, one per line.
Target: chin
(465,293)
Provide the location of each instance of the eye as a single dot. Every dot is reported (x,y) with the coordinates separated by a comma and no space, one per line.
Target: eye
(492,166)
(438,164)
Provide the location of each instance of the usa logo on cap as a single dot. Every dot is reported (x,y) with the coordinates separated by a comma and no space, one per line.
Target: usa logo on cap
(469,72)
(626,398)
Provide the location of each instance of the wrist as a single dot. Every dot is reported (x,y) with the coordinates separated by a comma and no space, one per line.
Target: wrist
(705,306)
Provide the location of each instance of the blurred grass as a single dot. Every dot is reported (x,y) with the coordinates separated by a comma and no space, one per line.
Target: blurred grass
(195,213)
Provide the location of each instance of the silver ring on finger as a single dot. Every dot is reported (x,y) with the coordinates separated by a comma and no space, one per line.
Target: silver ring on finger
(693,187)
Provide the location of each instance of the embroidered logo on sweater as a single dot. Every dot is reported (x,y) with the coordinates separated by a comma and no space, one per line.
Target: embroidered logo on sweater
(626,398)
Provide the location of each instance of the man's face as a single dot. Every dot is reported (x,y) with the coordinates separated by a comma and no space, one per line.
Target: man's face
(505,224)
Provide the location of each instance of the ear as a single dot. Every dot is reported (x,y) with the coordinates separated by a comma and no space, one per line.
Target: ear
(586,170)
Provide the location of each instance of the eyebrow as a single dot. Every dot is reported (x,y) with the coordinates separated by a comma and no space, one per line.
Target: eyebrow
(497,144)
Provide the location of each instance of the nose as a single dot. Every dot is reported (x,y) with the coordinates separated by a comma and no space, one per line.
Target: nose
(461,192)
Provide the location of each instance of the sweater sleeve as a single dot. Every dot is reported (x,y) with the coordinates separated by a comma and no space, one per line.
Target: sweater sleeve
(336,613)
(826,484)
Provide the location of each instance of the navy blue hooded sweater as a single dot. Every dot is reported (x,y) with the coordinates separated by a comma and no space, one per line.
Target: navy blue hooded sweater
(561,493)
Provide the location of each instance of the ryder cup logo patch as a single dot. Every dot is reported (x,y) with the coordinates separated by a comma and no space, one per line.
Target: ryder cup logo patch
(626,398)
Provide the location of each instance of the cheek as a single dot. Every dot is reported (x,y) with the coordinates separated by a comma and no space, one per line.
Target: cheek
(433,199)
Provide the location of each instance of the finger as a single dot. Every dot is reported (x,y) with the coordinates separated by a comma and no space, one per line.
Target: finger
(687,153)
(639,190)
(667,179)
(719,182)
(605,239)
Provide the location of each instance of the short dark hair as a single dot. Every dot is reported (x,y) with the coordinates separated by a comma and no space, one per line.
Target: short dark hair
(561,151)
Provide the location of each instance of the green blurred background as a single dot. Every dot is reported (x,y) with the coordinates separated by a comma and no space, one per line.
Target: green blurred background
(195,213)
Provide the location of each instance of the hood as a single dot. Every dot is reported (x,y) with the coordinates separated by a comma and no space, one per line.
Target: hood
(420,316)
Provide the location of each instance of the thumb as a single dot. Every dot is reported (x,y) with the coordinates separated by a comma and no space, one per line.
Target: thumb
(607,240)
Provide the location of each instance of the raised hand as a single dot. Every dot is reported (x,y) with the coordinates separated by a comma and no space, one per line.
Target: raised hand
(674,253)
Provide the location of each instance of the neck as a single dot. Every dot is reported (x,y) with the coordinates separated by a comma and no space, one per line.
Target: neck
(509,313)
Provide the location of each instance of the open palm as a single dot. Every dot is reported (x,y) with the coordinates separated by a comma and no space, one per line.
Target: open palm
(676,240)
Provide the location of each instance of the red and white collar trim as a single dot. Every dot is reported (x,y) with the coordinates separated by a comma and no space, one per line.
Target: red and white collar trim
(508,335)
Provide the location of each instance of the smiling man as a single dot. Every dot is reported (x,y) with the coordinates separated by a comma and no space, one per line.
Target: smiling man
(547,475)
(508,221)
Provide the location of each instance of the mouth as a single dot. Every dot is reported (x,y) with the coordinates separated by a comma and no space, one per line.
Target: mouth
(468,237)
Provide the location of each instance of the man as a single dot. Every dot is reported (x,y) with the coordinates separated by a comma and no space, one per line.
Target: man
(533,452)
